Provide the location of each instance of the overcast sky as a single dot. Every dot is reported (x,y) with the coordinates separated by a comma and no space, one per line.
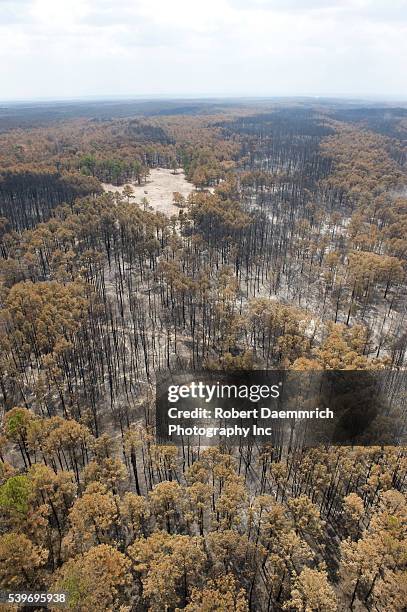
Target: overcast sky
(76,48)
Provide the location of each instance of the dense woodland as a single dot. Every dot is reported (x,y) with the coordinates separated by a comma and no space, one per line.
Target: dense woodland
(290,253)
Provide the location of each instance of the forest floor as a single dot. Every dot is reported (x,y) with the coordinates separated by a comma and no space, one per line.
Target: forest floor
(159,189)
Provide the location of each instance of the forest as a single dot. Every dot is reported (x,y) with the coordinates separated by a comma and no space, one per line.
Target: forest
(289,253)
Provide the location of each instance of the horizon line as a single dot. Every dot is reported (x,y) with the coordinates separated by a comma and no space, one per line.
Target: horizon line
(204,96)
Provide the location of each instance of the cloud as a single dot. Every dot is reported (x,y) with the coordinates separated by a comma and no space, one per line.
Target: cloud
(14,11)
(368,9)
(285,5)
(72,48)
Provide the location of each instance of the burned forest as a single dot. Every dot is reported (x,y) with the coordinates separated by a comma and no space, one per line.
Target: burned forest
(282,246)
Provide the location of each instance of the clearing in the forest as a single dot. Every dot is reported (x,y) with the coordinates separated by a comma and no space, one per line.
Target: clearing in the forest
(159,189)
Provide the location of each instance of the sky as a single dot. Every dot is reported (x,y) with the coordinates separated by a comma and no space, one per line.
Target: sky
(52,49)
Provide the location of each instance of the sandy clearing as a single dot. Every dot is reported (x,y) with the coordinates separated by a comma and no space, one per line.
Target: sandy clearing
(159,189)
